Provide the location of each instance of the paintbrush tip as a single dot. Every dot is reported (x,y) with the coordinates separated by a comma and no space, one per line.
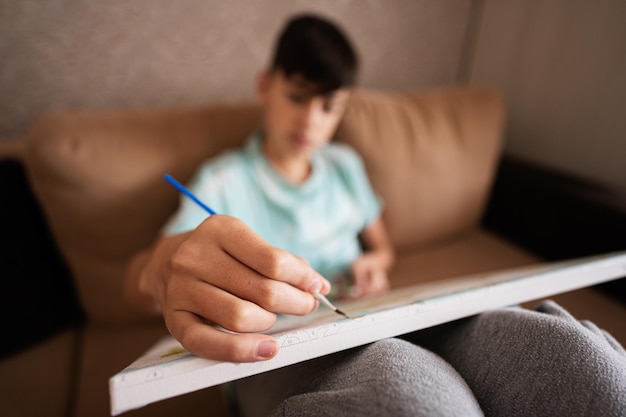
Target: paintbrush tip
(342,313)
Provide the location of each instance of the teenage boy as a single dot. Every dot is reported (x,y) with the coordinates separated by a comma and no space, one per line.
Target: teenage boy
(308,201)
(289,184)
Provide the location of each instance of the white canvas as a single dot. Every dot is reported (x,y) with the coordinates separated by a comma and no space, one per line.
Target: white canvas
(167,370)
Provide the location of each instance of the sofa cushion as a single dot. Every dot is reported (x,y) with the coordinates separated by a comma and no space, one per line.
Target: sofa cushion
(39,381)
(99,175)
(106,350)
(475,252)
(431,155)
(99,178)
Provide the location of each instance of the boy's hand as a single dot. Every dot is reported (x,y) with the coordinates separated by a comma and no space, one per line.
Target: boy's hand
(223,274)
(369,271)
(369,276)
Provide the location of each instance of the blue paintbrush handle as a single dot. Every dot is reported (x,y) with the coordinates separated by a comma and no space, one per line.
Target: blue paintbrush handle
(188,193)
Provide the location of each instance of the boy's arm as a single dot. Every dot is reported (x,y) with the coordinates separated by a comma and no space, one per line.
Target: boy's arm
(370,271)
(222,274)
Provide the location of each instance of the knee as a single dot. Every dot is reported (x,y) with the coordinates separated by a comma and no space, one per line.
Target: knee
(544,356)
(395,377)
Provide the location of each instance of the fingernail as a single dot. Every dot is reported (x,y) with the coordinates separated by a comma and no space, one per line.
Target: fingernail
(316,286)
(266,349)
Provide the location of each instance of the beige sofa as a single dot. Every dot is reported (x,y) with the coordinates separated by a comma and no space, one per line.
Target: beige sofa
(98,176)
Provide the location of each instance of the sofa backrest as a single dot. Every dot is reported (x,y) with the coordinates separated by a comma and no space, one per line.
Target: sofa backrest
(431,156)
(99,175)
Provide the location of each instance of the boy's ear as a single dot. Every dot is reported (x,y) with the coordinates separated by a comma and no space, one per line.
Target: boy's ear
(263,85)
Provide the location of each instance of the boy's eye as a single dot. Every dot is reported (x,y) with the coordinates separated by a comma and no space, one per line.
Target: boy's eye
(329,105)
(334,104)
(297,98)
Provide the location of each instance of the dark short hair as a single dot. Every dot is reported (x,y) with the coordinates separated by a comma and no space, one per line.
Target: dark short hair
(317,49)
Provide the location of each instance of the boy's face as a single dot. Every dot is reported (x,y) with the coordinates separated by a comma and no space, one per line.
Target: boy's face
(298,119)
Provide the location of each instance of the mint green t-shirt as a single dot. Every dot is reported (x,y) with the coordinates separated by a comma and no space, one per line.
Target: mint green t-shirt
(318,220)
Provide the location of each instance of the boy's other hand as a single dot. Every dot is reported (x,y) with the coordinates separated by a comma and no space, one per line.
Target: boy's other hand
(220,276)
(369,276)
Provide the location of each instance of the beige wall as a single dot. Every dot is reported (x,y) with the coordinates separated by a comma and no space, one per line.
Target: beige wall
(560,63)
(98,54)
(562,66)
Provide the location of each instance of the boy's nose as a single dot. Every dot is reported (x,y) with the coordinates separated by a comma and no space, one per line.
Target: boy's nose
(311,114)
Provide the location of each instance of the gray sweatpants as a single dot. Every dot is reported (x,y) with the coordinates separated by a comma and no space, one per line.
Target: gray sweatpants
(506,362)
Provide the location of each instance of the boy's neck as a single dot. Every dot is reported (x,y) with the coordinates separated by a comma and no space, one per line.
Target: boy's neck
(295,170)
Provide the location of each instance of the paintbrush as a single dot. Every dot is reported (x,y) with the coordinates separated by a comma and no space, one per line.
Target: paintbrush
(325,301)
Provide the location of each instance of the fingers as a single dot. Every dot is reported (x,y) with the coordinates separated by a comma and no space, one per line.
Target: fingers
(239,241)
(229,255)
(238,279)
(368,280)
(200,304)
(208,342)
(379,283)
(223,273)
(217,306)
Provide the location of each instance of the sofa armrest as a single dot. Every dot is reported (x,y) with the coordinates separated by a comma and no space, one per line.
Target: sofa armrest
(39,295)
(556,216)
(12,148)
